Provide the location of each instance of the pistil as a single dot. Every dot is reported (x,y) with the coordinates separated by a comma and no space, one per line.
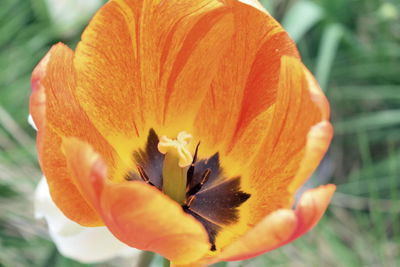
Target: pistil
(176,163)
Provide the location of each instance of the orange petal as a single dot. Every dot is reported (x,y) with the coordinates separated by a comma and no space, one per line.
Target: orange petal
(143,217)
(247,79)
(87,169)
(138,214)
(136,64)
(107,70)
(281,227)
(260,94)
(37,101)
(279,158)
(196,65)
(318,140)
(238,109)
(311,207)
(264,78)
(62,189)
(56,113)
(63,111)
(273,230)
(38,98)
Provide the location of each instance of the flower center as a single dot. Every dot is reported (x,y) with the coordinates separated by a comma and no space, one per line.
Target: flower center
(198,185)
(176,161)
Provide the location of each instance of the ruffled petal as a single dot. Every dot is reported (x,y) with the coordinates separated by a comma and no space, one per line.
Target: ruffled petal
(136,213)
(62,189)
(56,114)
(311,208)
(273,230)
(281,227)
(299,136)
(318,140)
(38,99)
(87,168)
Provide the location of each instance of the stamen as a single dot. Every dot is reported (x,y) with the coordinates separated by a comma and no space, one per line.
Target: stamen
(144,175)
(177,158)
(190,171)
(204,178)
(189,201)
(169,166)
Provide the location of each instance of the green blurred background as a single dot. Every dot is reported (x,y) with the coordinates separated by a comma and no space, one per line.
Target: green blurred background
(352,47)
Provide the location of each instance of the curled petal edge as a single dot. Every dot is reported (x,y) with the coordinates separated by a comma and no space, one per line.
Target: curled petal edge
(318,139)
(281,227)
(37,102)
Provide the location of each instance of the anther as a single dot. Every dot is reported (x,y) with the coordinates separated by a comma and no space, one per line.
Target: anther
(197,188)
(143,175)
(190,171)
(189,201)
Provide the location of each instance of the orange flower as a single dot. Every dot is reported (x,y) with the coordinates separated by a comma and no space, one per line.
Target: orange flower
(185,127)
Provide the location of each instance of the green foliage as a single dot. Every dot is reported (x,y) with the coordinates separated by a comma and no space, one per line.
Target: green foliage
(353,47)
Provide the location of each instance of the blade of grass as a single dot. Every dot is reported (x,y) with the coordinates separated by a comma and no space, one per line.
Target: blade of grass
(18,134)
(394,173)
(368,92)
(327,52)
(375,216)
(300,18)
(368,121)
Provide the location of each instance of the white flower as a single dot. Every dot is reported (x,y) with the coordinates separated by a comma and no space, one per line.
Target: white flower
(84,244)
(254,3)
